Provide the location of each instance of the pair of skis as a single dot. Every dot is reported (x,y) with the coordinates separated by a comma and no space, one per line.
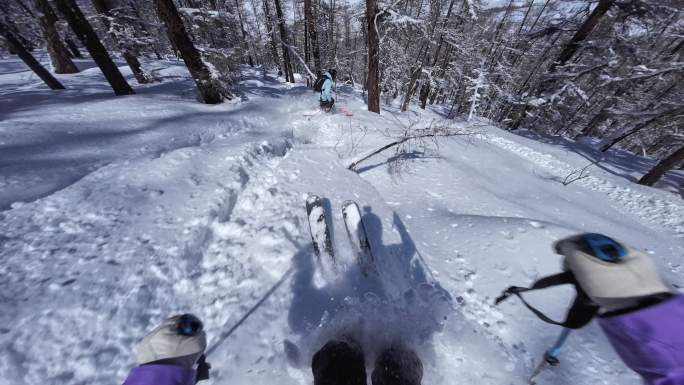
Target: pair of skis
(319,226)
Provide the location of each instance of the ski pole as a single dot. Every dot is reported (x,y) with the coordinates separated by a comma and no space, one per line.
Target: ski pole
(263,299)
(551,355)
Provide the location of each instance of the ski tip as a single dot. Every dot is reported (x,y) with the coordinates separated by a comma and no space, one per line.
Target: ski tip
(349,203)
(312,198)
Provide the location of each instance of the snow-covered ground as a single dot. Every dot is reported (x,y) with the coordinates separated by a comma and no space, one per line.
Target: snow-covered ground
(119,211)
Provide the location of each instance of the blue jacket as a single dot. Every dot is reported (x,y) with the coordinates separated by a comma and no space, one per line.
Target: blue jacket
(326,91)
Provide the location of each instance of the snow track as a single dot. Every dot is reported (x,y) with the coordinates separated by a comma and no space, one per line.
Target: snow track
(646,203)
(110,269)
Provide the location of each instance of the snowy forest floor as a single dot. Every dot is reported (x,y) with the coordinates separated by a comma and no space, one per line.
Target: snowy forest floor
(120,211)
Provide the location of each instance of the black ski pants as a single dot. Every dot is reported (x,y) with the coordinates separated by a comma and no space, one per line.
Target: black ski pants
(342,362)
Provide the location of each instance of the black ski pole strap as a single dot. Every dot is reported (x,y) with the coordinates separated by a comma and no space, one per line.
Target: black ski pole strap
(203,368)
(552,280)
(580,313)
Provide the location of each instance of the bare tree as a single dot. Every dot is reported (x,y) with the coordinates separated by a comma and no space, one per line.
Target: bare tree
(210,92)
(312,36)
(104,7)
(245,41)
(73,48)
(662,167)
(61,61)
(84,31)
(16,46)
(271,36)
(287,64)
(569,50)
(373,79)
(582,33)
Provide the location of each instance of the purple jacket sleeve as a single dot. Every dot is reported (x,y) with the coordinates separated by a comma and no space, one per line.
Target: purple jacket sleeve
(160,375)
(651,341)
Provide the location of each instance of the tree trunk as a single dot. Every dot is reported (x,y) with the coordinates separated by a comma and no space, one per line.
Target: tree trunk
(245,42)
(424,93)
(209,91)
(582,33)
(16,46)
(24,7)
(415,74)
(283,38)
(373,81)
(59,55)
(662,167)
(566,54)
(312,35)
(73,48)
(332,41)
(271,34)
(625,133)
(104,8)
(85,32)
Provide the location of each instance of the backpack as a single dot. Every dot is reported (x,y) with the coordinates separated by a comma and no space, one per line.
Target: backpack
(318,84)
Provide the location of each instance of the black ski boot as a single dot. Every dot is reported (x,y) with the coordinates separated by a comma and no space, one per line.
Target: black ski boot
(397,366)
(339,362)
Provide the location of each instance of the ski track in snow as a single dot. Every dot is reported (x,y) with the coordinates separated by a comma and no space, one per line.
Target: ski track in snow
(72,260)
(209,221)
(661,209)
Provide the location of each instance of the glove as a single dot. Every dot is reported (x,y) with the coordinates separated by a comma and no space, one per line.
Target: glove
(202,369)
(508,292)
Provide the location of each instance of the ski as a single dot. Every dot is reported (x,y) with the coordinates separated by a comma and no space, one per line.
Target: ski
(358,237)
(318,226)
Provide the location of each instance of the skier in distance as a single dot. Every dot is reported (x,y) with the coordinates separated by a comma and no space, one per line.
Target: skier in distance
(325,85)
(642,317)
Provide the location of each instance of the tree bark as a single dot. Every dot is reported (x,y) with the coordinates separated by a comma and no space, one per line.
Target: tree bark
(662,167)
(209,91)
(285,44)
(271,35)
(565,55)
(88,37)
(245,43)
(626,133)
(73,48)
(603,114)
(582,33)
(16,46)
(59,55)
(332,41)
(424,93)
(415,74)
(373,79)
(105,9)
(312,35)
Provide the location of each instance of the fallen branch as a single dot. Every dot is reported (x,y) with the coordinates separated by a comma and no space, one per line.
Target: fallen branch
(420,134)
(576,175)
